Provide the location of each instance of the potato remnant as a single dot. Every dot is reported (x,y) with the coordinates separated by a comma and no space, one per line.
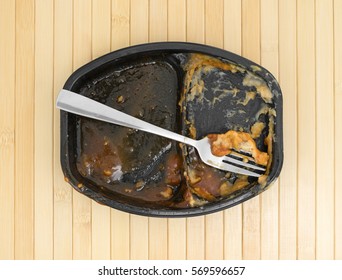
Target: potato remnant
(257,129)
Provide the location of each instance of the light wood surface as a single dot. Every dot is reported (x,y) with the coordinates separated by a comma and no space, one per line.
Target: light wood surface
(43,41)
(43,120)
(324,126)
(7,128)
(24,136)
(338,127)
(62,62)
(269,58)
(288,61)
(306,127)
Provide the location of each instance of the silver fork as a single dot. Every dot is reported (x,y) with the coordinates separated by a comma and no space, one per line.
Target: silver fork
(81,105)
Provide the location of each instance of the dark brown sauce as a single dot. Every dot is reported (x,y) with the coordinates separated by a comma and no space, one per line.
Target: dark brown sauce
(139,165)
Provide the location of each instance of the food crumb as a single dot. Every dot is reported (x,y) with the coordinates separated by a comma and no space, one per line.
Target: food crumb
(225,189)
(193,177)
(139,185)
(120,99)
(107,172)
(262,180)
(167,193)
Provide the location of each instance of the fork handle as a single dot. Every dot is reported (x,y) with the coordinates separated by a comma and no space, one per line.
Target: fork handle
(78,104)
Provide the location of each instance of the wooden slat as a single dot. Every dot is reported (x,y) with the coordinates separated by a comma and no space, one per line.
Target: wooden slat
(177,227)
(214,222)
(158,20)
(288,83)
(338,127)
(269,59)
(324,128)
(139,247)
(214,236)
(214,21)
(306,208)
(195,20)
(100,233)
(120,235)
(251,29)
(251,229)
(101,27)
(24,131)
(177,239)
(158,237)
(251,50)
(233,216)
(176,18)
(120,221)
(43,149)
(81,227)
(195,242)
(233,233)
(81,204)
(139,243)
(120,26)
(7,127)
(62,69)
(195,32)
(139,21)
(232,25)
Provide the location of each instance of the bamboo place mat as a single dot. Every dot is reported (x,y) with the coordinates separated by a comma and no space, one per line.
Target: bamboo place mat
(43,41)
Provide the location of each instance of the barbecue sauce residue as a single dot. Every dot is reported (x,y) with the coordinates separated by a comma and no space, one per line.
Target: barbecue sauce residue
(142,166)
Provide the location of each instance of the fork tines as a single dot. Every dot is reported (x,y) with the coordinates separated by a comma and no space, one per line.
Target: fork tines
(239,161)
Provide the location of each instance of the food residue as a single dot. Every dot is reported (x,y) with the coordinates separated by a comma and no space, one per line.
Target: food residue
(257,129)
(224,144)
(216,95)
(252,80)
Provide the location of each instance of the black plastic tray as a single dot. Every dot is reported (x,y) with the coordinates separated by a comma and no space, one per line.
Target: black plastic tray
(213,124)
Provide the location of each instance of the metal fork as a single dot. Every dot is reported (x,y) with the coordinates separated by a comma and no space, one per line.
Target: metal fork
(81,105)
